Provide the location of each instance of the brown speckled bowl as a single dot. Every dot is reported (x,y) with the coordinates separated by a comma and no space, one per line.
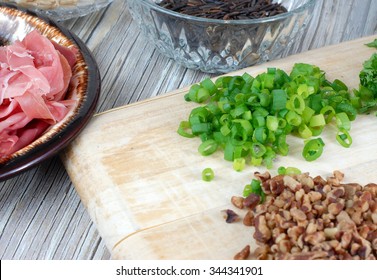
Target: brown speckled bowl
(85,87)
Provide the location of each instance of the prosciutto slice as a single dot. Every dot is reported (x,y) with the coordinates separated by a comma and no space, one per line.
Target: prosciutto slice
(34,77)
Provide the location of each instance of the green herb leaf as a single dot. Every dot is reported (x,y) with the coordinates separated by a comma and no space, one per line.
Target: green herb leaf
(372,44)
(367,92)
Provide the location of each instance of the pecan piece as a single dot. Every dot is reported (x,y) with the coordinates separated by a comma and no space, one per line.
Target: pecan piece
(243,254)
(262,232)
(230,216)
(238,201)
(291,183)
(298,214)
(251,201)
(248,219)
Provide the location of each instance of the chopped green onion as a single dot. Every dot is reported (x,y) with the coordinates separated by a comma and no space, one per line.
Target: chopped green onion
(209,86)
(202,95)
(329,112)
(293,118)
(279,100)
(344,138)
(288,170)
(259,121)
(305,90)
(260,135)
(249,118)
(225,130)
(304,131)
(292,171)
(193,92)
(183,128)
(257,150)
(339,85)
(342,121)
(272,123)
(307,114)
(199,128)
(239,164)
(208,174)
(256,161)
(317,121)
(296,103)
(282,170)
(282,146)
(254,187)
(269,157)
(247,191)
(313,149)
(208,147)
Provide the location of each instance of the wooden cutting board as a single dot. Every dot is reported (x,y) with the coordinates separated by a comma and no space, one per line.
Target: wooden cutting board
(141,182)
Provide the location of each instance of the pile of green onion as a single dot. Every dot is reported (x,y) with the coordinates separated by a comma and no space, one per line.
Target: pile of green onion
(249,118)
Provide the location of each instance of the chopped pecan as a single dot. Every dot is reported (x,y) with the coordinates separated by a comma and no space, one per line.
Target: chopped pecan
(311,218)
(309,255)
(330,233)
(372,188)
(262,177)
(314,196)
(230,216)
(311,228)
(298,215)
(315,238)
(238,201)
(251,201)
(374,244)
(374,218)
(284,246)
(262,232)
(306,180)
(248,219)
(276,184)
(291,183)
(350,189)
(319,182)
(335,208)
(364,251)
(243,254)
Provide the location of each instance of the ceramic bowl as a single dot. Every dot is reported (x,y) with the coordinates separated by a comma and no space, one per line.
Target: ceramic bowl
(84,87)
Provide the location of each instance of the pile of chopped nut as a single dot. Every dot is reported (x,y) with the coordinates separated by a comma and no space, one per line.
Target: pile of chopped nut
(311,218)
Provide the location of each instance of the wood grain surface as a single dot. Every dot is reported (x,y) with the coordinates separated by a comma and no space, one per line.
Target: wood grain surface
(41,214)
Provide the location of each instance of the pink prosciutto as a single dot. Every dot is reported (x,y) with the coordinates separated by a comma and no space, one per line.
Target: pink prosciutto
(34,77)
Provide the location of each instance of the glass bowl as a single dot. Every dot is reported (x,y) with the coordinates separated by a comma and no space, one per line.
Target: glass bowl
(220,46)
(62,9)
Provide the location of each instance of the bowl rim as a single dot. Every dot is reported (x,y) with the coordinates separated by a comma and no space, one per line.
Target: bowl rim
(153,5)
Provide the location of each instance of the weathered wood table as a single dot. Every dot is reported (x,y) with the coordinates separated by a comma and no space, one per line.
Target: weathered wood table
(41,215)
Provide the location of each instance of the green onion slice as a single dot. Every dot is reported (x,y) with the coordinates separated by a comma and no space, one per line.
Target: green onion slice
(344,138)
(184,128)
(239,164)
(313,149)
(208,174)
(208,147)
